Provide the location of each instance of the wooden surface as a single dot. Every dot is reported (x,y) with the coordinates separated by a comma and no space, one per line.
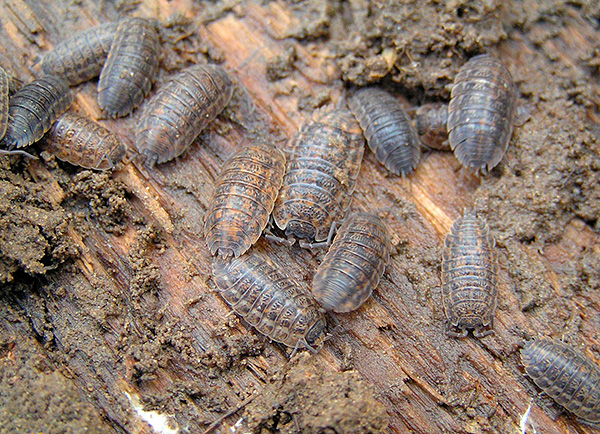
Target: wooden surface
(150,283)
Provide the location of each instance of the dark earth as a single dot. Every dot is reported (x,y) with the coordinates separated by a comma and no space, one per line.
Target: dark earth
(106,298)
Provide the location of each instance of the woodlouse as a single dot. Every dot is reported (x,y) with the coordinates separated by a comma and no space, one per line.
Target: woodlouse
(34,108)
(431,122)
(269,300)
(570,378)
(244,196)
(81,57)
(481,113)
(388,129)
(180,110)
(321,176)
(354,263)
(469,273)
(82,142)
(130,67)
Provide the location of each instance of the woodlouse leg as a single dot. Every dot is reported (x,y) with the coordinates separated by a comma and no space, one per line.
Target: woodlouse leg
(462,334)
(306,245)
(272,237)
(17,152)
(478,333)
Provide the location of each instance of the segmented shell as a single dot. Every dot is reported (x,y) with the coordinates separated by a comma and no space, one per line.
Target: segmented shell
(264,296)
(181,110)
(34,108)
(321,175)
(469,273)
(354,263)
(131,65)
(82,142)
(81,57)
(431,121)
(570,378)
(244,196)
(481,113)
(388,129)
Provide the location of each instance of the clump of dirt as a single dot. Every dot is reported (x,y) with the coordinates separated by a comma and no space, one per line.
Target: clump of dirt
(103,199)
(34,229)
(306,397)
(281,66)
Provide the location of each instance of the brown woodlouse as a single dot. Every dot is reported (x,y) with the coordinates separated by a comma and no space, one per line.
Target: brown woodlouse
(481,113)
(180,110)
(34,108)
(354,263)
(82,142)
(431,121)
(269,300)
(244,197)
(320,177)
(570,378)
(469,273)
(130,67)
(81,57)
(388,129)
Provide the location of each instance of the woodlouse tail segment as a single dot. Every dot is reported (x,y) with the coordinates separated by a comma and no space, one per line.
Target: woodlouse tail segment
(523,113)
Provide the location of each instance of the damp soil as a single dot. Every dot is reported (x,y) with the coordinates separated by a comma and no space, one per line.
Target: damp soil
(76,313)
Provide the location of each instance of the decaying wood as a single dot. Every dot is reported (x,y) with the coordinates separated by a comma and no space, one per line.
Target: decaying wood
(396,341)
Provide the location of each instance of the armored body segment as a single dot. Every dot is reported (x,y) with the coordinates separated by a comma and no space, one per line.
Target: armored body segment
(321,176)
(481,113)
(180,110)
(264,296)
(354,263)
(130,67)
(243,199)
(469,276)
(570,378)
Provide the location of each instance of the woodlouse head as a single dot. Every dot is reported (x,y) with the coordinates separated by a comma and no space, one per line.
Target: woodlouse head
(316,334)
(301,230)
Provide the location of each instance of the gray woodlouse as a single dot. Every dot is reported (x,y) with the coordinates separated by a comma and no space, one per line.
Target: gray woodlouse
(243,199)
(431,122)
(269,300)
(180,110)
(130,67)
(567,376)
(321,176)
(481,113)
(82,142)
(469,274)
(388,129)
(34,108)
(354,263)
(81,57)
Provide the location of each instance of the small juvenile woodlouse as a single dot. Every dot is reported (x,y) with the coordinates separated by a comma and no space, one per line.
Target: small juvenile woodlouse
(269,300)
(388,129)
(431,121)
(320,177)
(82,142)
(244,197)
(469,273)
(81,57)
(180,110)
(567,376)
(481,113)
(34,108)
(354,263)
(130,67)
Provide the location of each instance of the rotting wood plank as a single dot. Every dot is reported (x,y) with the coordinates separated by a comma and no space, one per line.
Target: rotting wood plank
(429,383)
